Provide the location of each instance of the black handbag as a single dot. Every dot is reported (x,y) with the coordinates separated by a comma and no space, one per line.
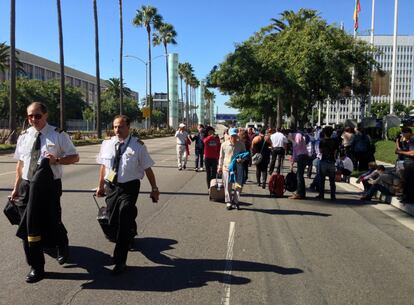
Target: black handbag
(12,212)
(103,220)
(258,157)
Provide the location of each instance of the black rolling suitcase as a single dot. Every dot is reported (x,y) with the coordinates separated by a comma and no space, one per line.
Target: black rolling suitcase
(103,220)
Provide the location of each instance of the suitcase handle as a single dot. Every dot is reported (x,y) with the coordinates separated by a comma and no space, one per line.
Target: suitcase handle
(96,202)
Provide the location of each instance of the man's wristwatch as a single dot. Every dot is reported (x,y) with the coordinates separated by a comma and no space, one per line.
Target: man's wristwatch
(155,189)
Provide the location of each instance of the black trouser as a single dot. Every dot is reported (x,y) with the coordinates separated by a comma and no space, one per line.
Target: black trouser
(408,190)
(362,159)
(199,157)
(121,201)
(327,168)
(211,169)
(277,153)
(34,252)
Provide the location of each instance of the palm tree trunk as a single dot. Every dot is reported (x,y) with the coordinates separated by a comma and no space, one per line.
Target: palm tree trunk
(98,78)
(62,68)
(182,97)
(121,48)
(187,113)
(12,109)
(168,87)
(149,74)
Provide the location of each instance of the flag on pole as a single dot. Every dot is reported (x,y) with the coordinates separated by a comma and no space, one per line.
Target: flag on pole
(356,14)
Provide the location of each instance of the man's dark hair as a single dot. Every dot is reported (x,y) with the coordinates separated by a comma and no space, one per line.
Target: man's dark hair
(41,106)
(327,131)
(201,125)
(381,168)
(123,117)
(406,130)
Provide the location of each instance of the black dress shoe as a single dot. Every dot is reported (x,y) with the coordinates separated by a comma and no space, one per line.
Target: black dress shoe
(35,275)
(118,269)
(62,254)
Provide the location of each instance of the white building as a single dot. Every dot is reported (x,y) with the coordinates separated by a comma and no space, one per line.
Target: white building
(338,112)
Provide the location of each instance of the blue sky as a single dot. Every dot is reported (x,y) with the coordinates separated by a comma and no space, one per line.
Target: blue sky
(207,31)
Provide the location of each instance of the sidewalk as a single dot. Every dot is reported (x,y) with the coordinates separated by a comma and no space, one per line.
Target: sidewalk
(393,200)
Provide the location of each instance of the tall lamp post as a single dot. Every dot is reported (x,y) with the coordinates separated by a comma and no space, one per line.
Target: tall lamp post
(146,75)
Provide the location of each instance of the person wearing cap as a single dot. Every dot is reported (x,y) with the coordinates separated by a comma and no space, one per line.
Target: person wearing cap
(229,149)
(182,137)
(211,153)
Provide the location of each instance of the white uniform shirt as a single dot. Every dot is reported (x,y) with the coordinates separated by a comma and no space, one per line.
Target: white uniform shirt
(133,163)
(52,141)
(278,139)
(182,137)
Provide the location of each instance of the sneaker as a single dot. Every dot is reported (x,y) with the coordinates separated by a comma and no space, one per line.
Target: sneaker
(201,169)
(180,168)
(228,206)
(196,169)
(184,167)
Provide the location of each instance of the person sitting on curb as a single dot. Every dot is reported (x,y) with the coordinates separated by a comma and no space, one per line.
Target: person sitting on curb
(376,185)
(372,173)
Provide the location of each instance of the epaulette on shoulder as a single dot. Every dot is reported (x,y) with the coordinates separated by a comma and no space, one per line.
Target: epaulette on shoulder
(140,142)
(59,130)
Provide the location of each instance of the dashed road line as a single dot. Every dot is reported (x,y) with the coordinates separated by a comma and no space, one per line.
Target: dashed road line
(225,300)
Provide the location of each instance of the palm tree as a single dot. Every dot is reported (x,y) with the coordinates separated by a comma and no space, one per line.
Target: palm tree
(12,116)
(114,89)
(148,18)
(209,97)
(98,78)
(165,35)
(121,46)
(5,59)
(187,72)
(62,67)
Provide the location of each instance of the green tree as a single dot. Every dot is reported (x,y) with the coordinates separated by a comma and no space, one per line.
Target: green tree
(380,110)
(110,108)
(159,117)
(113,89)
(165,35)
(47,92)
(148,18)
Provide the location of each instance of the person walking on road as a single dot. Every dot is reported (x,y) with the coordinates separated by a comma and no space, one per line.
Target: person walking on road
(41,151)
(182,138)
(124,161)
(211,154)
(261,144)
(279,146)
(230,148)
(300,156)
(327,148)
(199,148)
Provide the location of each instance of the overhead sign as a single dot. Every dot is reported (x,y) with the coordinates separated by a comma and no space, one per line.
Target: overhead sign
(226,117)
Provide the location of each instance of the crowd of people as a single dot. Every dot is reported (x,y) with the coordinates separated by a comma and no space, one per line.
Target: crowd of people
(325,152)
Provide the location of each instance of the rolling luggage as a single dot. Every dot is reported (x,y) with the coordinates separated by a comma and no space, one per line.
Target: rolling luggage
(216,192)
(103,220)
(277,185)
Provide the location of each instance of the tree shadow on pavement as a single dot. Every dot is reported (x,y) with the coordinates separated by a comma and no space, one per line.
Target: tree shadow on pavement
(287,212)
(173,273)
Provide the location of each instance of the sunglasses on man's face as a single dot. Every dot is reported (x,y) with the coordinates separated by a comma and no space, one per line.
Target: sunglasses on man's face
(36,116)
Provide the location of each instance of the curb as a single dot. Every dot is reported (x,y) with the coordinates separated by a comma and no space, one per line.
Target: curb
(392,200)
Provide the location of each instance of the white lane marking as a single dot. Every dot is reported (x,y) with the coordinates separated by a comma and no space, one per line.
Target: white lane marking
(7,173)
(225,300)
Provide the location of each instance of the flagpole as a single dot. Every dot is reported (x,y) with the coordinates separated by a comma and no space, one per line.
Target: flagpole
(394,57)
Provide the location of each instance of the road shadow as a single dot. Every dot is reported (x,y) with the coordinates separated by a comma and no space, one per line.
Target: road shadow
(287,212)
(175,273)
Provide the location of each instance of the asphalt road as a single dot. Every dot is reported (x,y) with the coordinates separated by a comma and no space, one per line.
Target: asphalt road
(192,251)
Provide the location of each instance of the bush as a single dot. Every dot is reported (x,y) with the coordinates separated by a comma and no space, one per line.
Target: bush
(393,133)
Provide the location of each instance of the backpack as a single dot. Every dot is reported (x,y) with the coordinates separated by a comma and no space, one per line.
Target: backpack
(291,182)
(277,185)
